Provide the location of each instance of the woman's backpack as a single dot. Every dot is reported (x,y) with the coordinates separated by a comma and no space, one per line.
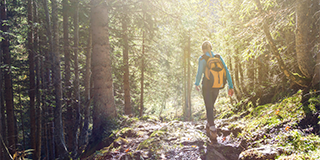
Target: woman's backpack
(215,73)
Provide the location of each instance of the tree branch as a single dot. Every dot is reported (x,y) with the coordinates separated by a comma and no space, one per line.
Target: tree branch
(5,147)
(294,77)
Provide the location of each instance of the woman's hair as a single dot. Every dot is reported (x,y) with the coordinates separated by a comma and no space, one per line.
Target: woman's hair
(206,45)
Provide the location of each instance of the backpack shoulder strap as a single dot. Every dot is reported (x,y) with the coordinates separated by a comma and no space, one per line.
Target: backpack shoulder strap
(205,57)
(217,55)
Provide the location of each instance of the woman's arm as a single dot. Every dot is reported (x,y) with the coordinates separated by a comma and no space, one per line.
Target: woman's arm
(201,67)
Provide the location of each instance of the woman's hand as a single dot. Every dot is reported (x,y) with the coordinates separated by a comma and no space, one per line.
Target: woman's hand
(198,88)
(230,92)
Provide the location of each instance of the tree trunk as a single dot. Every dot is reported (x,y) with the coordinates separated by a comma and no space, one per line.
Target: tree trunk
(316,77)
(30,50)
(142,76)
(295,78)
(21,118)
(69,114)
(103,107)
(189,80)
(1,96)
(11,133)
(126,83)
(56,73)
(1,104)
(303,49)
(236,77)
(83,140)
(77,103)
(250,75)
(36,48)
(49,124)
(185,104)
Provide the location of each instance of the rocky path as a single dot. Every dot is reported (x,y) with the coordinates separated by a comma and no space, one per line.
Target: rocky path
(151,139)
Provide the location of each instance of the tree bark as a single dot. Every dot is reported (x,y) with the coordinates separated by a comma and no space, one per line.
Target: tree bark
(49,123)
(303,49)
(316,77)
(189,80)
(142,76)
(83,139)
(103,107)
(126,83)
(2,120)
(32,88)
(36,48)
(295,78)
(11,133)
(77,103)
(2,109)
(69,114)
(56,73)
(236,76)
(185,104)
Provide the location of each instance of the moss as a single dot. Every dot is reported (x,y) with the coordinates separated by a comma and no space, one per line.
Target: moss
(117,143)
(127,132)
(146,144)
(157,133)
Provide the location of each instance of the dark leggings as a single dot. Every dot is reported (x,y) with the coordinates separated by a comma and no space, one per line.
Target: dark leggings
(210,96)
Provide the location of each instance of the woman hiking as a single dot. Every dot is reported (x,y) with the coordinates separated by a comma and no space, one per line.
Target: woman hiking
(210,92)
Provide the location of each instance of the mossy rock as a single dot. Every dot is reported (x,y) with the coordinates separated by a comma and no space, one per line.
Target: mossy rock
(295,157)
(147,144)
(262,153)
(158,133)
(127,132)
(118,142)
(126,120)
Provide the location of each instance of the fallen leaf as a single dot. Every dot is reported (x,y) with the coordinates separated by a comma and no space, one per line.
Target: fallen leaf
(287,128)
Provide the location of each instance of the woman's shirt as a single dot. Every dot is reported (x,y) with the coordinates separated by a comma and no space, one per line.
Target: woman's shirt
(202,66)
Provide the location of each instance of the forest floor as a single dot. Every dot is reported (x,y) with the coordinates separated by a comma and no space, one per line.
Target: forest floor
(272,131)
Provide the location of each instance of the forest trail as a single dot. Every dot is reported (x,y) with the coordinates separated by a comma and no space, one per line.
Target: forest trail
(152,139)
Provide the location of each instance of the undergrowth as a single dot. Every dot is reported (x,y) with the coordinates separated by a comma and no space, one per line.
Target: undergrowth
(278,125)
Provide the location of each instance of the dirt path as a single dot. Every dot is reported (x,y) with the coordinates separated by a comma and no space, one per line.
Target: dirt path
(152,139)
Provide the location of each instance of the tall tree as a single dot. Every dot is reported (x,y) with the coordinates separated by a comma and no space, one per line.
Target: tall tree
(36,48)
(59,137)
(11,133)
(47,80)
(304,57)
(32,88)
(76,106)
(103,107)
(1,95)
(83,139)
(3,128)
(67,73)
(189,86)
(142,74)
(125,51)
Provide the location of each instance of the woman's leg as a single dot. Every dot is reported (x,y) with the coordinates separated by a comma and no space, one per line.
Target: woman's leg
(210,96)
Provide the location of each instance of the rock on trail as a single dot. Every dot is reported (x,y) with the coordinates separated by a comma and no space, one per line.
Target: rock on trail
(176,140)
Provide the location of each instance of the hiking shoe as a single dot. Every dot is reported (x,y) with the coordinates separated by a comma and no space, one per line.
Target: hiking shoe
(212,133)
